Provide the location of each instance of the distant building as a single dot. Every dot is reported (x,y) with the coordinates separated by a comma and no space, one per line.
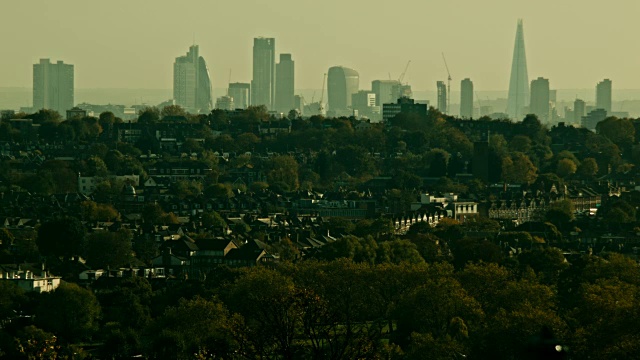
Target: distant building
(225,103)
(364,102)
(241,94)
(403,105)
(519,82)
(442,97)
(299,103)
(603,95)
(28,278)
(401,90)
(386,91)
(191,82)
(53,86)
(466,99)
(76,112)
(539,104)
(263,85)
(285,84)
(593,118)
(579,110)
(342,82)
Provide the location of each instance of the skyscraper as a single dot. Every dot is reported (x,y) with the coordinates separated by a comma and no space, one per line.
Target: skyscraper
(285,84)
(466,99)
(191,82)
(385,91)
(263,85)
(519,83)
(579,111)
(53,86)
(603,95)
(540,99)
(442,97)
(342,82)
(241,94)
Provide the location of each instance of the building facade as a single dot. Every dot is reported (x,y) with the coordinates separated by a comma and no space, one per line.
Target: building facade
(603,95)
(539,104)
(53,86)
(403,105)
(442,97)
(519,82)
(285,84)
(579,110)
(191,82)
(263,85)
(385,91)
(241,94)
(466,99)
(225,103)
(342,82)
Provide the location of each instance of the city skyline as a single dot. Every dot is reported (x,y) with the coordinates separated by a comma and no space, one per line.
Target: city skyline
(130,48)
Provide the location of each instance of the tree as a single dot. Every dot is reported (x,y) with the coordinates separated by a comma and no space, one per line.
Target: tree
(283,169)
(518,169)
(70,312)
(620,131)
(193,326)
(62,237)
(588,168)
(149,115)
(566,168)
(109,249)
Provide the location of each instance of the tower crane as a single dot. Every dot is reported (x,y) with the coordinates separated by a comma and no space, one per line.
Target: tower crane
(321,106)
(404,72)
(448,84)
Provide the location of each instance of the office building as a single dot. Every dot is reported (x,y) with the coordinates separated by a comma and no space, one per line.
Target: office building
(579,110)
(364,102)
(263,85)
(593,118)
(404,106)
(342,82)
(442,97)
(466,99)
(241,94)
(539,104)
(53,86)
(519,82)
(225,103)
(191,82)
(285,80)
(299,104)
(603,95)
(386,91)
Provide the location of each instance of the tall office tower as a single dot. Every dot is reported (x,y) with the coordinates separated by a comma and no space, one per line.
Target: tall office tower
(342,82)
(191,82)
(539,104)
(466,99)
(285,77)
(579,110)
(299,103)
(603,95)
(442,97)
(519,83)
(263,85)
(53,86)
(241,94)
(385,91)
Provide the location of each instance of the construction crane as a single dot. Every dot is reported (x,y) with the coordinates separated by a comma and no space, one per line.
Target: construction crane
(404,72)
(229,83)
(321,106)
(448,84)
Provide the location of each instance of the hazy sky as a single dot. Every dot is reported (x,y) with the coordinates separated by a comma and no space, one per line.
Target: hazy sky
(133,43)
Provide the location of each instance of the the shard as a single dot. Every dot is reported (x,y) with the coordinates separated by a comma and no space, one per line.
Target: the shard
(519,83)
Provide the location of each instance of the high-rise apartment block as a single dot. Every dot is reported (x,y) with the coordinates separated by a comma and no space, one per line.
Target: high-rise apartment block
(342,82)
(191,82)
(263,85)
(579,110)
(53,86)
(241,94)
(539,104)
(466,99)
(442,97)
(603,95)
(285,84)
(519,82)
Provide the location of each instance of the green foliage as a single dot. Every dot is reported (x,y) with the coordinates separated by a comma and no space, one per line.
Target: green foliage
(109,249)
(62,237)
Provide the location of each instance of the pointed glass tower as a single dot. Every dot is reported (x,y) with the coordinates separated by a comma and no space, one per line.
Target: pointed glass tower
(519,84)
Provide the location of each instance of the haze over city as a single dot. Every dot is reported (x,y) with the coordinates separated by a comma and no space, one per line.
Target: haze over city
(123,44)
